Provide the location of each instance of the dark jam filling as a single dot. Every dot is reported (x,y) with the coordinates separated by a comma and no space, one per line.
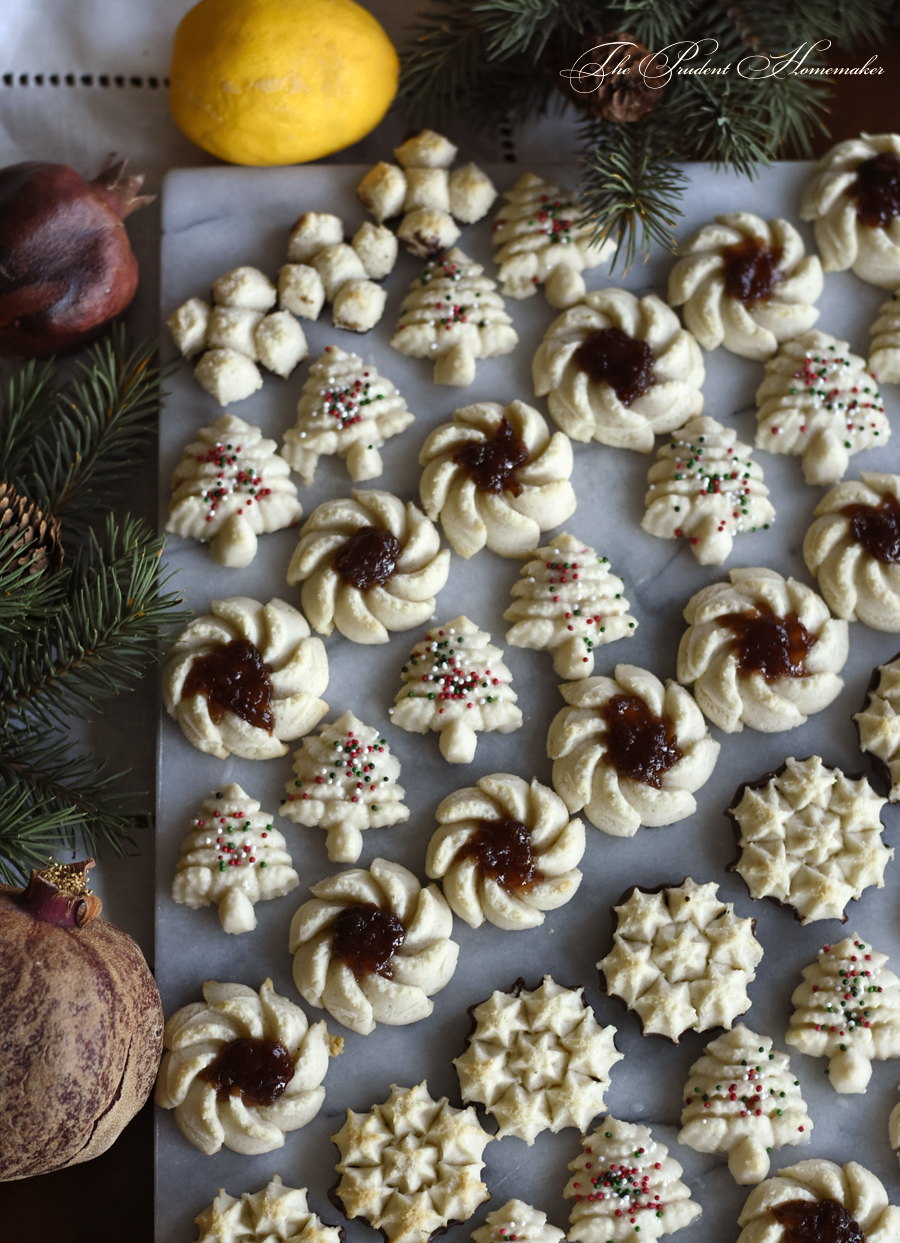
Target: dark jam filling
(751,271)
(610,356)
(490,463)
(639,744)
(776,647)
(877,528)
(234,679)
(817,1221)
(502,852)
(877,190)
(369,558)
(366,938)
(254,1069)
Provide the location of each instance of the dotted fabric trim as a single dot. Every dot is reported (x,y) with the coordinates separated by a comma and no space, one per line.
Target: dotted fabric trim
(83,79)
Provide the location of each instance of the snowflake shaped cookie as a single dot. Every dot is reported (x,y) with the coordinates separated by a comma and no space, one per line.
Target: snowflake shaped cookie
(625,1182)
(411,1165)
(243,1068)
(742,1099)
(505,851)
(629,750)
(879,725)
(705,488)
(229,487)
(373,946)
(348,409)
(369,565)
(818,1199)
(453,315)
(245,679)
(517,1222)
(455,683)
(848,1010)
(810,838)
(746,284)
(853,549)
(851,201)
(884,352)
(345,781)
(619,370)
(540,239)
(568,602)
(276,1214)
(233,857)
(496,477)
(537,1060)
(681,959)
(819,401)
(762,651)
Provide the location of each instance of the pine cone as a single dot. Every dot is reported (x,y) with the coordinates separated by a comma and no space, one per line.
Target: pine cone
(618,84)
(35,537)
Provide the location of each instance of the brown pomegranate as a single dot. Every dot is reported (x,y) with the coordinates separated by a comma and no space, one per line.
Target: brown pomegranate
(80,1025)
(66,265)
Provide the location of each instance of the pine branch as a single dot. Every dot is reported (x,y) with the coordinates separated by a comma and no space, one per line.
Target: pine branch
(523,28)
(30,400)
(25,597)
(445,64)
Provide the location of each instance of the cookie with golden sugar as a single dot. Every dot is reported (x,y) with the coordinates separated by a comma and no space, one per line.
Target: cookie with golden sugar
(819,1199)
(878,725)
(275,1214)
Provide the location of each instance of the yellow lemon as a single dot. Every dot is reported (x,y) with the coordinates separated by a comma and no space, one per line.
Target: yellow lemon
(280,81)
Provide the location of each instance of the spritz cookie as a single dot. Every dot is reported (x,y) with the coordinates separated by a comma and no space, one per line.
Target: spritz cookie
(746,284)
(810,838)
(878,725)
(853,200)
(369,565)
(348,409)
(742,1100)
(817,1199)
(629,750)
(245,679)
(681,959)
(819,402)
(233,857)
(619,370)
(884,352)
(243,1068)
(276,1214)
(537,1060)
(568,602)
(506,852)
(761,650)
(345,781)
(456,684)
(229,487)
(411,1165)
(704,487)
(847,1009)
(373,946)
(517,1220)
(496,477)
(853,549)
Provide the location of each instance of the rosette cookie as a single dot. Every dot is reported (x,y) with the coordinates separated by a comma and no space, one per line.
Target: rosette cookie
(243,1068)
(746,284)
(496,477)
(229,487)
(762,651)
(619,370)
(818,401)
(245,678)
(276,1214)
(505,852)
(368,565)
(818,1199)
(372,946)
(853,549)
(629,750)
(853,200)
(879,725)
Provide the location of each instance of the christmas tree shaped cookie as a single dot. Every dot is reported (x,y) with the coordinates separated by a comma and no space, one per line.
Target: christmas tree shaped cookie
(847,1009)
(453,315)
(568,602)
(345,781)
(743,1100)
(349,409)
(455,683)
(233,856)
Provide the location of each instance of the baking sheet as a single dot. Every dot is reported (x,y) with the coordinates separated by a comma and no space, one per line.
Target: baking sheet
(217,218)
